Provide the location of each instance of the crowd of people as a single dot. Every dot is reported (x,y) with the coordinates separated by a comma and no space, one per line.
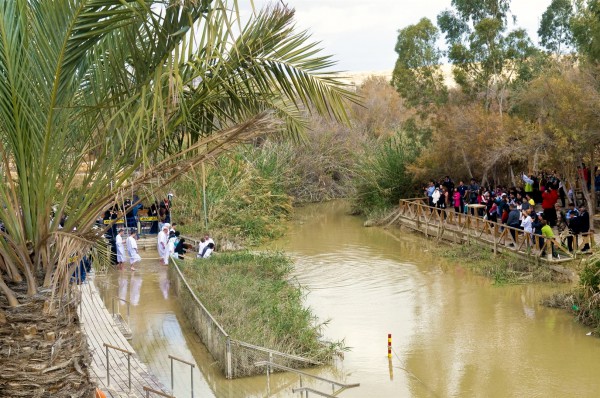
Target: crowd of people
(169,241)
(516,206)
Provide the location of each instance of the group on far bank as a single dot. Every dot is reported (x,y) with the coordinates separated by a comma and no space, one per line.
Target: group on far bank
(516,206)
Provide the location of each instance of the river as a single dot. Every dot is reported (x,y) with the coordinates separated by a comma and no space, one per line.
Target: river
(454,334)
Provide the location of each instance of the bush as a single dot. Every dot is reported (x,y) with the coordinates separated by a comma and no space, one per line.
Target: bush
(253,297)
(383,177)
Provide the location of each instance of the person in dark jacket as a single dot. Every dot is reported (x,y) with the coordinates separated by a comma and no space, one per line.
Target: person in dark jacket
(513,220)
(581,225)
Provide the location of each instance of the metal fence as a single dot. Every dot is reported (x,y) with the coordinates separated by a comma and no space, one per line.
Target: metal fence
(235,358)
(212,334)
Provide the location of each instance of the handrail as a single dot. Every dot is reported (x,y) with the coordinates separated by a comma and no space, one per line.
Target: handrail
(299,372)
(149,390)
(476,221)
(270,351)
(113,307)
(197,299)
(192,366)
(129,354)
(308,389)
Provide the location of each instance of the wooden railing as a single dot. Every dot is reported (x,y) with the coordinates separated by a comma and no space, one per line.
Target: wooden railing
(448,224)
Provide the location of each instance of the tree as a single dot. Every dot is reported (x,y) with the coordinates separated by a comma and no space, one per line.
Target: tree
(89,92)
(555,27)
(486,58)
(417,75)
(586,29)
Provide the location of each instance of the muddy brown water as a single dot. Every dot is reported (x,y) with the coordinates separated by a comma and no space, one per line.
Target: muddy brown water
(454,334)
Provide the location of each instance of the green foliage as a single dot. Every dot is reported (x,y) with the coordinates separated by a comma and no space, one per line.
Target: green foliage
(485,57)
(586,29)
(589,277)
(383,177)
(254,298)
(503,268)
(555,27)
(245,196)
(417,76)
(92,89)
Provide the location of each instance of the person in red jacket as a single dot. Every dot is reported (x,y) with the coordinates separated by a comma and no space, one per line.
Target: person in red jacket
(549,198)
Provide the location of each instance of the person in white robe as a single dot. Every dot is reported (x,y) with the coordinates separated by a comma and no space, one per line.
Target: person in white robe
(132,250)
(163,237)
(120,249)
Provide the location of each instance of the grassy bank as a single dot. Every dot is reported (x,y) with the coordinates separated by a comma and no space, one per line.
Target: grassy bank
(584,300)
(255,300)
(502,268)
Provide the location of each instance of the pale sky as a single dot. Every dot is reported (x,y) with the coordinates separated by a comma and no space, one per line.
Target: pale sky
(361,34)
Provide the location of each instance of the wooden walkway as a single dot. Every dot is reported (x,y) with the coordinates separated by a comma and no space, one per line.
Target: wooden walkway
(101,330)
(457,227)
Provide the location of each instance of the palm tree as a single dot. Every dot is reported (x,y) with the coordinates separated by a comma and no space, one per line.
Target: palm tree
(90,93)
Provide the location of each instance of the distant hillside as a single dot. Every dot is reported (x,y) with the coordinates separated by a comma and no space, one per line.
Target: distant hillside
(357,78)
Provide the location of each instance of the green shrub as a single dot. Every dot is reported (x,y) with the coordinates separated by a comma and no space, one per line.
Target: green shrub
(253,297)
(383,177)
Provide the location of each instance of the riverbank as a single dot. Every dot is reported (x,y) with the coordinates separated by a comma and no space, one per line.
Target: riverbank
(501,268)
(583,301)
(254,298)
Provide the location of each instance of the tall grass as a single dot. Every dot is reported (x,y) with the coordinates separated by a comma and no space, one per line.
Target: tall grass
(250,192)
(246,202)
(383,176)
(584,300)
(253,296)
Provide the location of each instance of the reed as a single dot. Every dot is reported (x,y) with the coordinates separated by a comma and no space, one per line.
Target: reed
(255,298)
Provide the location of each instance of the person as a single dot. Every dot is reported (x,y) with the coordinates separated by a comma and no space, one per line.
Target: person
(457,200)
(581,225)
(207,250)
(204,241)
(513,220)
(153,212)
(528,183)
(463,190)
(181,248)
(549,198)
(132,249)
(527,223)
(429,192)
(171,243)
(435,197)
(561,219)
(162,243)
(120,249)
(473,192)
(548,234)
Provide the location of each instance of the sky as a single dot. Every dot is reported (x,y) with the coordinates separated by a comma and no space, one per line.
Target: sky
(361,34)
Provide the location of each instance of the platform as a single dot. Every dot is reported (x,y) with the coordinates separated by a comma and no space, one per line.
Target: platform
(100,329)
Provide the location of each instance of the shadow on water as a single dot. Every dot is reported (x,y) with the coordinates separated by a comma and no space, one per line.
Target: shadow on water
(454,334)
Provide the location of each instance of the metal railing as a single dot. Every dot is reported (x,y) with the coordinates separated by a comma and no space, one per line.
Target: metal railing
(192,366)
(113,307)
(129,354)
(342,386)
(308,389)
(148,390)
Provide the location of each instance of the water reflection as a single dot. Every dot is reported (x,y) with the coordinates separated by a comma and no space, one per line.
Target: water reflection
(454,334)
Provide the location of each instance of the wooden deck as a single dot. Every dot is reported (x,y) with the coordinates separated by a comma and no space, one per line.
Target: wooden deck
(101,329)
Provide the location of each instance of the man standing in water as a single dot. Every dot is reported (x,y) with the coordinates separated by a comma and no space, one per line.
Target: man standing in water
(132,249)
(163,236)
(120,249)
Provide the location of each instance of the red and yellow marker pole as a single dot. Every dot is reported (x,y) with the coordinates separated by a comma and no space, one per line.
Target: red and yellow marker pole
(390,367)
